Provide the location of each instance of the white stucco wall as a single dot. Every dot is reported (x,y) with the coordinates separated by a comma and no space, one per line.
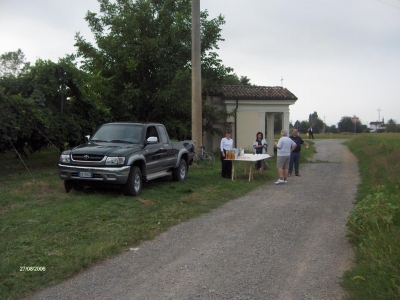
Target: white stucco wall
(248,126)
(250,119)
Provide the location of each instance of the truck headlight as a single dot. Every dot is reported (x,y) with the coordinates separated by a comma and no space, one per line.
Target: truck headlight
(64,158)
(113,161)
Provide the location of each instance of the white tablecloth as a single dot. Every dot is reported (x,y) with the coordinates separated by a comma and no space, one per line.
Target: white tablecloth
(252,157)
(248,158)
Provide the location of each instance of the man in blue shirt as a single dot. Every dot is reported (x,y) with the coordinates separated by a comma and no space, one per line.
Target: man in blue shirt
(295,155)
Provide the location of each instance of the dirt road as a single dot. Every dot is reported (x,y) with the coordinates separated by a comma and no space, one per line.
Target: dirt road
(277,242)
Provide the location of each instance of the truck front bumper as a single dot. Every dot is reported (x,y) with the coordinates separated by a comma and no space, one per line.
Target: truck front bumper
(97,174)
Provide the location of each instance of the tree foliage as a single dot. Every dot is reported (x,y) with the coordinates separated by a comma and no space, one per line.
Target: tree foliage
(245,80)
(332,129)
(143,49)
(278,117)
(49,103)
(233,79)
(391,126)
(347,125)
(316,122)
(12,63)
(304,125)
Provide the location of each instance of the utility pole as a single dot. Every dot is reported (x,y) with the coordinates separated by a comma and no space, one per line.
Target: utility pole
(197,117)
(379,119)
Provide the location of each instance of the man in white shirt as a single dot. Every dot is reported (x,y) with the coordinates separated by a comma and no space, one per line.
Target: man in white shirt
(285,146)
(226,144)
(311,132)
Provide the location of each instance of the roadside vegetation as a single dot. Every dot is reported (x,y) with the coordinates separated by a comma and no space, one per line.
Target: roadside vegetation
(374,223)
(42,226)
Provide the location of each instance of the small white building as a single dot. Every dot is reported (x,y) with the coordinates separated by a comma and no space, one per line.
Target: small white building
(376,126)
(255,108)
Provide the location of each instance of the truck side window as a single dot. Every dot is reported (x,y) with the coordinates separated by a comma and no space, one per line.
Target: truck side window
(163,134)
(151,131)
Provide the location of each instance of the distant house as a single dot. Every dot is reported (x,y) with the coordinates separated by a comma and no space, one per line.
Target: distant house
(376,126)
(255,106)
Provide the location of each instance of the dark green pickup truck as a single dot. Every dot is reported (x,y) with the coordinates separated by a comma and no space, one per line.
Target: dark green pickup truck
(125,154)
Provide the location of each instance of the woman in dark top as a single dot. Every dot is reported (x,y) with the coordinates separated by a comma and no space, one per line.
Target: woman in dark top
(260,147)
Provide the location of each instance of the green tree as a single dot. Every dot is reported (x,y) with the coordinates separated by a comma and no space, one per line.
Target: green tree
(347,125)
(12,63)
(332,129)
(245,80)
(304,125)
(391,126)
(49,103)
(20,120)
(143,50)
(316,122)
(277,122)
(364,128)
(233,79)
(312,118)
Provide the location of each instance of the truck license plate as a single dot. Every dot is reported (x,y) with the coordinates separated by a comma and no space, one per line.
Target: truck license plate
(85,174)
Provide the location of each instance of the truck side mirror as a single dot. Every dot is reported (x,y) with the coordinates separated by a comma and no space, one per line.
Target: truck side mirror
(87,138)
(152,140)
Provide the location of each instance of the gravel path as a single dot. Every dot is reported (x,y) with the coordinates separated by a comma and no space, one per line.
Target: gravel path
(277,242)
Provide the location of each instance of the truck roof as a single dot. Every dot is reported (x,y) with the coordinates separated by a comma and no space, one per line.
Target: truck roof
(139,123)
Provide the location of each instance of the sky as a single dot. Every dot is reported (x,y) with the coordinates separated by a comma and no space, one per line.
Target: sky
(339,58)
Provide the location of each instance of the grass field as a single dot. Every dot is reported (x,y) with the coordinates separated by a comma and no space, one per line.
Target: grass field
(374,225)
(42,226)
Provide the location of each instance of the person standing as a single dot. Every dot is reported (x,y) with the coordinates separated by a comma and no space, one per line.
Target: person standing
(285,146)
(226,144)
(260,147)
(310,132)
(295,154)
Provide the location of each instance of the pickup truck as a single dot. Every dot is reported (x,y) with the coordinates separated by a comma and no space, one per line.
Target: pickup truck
(125,154)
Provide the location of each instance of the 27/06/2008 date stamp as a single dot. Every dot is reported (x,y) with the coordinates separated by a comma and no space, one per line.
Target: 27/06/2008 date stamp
(32,269)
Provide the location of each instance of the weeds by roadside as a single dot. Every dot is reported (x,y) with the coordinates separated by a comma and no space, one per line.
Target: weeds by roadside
(374,224)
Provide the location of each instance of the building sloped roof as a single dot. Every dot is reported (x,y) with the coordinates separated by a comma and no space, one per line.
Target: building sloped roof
(249,92)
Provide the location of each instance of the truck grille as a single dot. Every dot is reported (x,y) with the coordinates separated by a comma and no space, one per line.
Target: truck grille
(87,157)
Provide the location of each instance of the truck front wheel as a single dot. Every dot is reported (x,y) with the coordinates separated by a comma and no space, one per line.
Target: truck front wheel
(133,186)
(179,173)
(70,184)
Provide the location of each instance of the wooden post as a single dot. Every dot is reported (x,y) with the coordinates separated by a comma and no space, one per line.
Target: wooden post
(197,117)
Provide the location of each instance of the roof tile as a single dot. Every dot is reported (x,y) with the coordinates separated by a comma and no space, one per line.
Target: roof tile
(250,92)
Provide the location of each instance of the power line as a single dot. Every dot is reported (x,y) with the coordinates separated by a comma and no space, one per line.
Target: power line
(388,4)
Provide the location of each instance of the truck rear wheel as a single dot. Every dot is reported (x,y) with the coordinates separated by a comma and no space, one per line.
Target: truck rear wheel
(179,173)
(133,186)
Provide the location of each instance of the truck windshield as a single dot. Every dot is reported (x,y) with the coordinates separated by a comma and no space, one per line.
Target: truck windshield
(125,133)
